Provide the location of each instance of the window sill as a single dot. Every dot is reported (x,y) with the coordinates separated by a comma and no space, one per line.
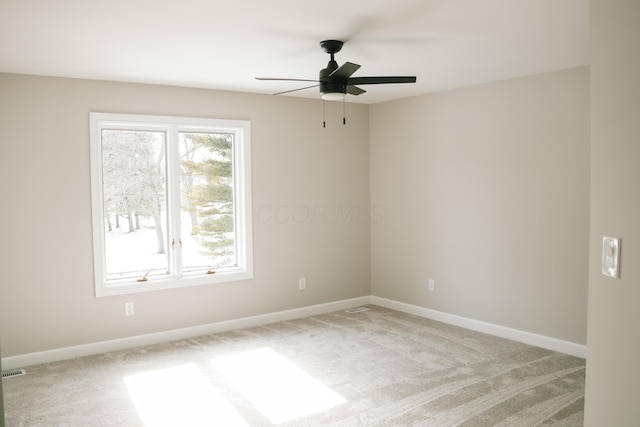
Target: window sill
(154,284)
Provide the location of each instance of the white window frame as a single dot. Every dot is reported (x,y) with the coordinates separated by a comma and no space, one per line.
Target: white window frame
(242,200)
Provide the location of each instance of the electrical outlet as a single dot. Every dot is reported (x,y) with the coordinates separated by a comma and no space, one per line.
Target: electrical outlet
(302,283)
(128,309)
(432,285)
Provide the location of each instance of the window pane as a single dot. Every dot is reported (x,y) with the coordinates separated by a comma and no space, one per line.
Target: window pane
(134,196)
(206,185)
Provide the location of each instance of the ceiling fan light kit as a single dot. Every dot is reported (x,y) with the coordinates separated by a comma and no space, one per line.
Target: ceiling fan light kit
(333,96)
(335,82)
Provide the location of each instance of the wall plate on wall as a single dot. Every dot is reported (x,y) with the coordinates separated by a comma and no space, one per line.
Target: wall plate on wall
(611,257)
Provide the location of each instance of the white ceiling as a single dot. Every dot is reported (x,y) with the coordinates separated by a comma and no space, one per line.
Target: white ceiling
(226,44)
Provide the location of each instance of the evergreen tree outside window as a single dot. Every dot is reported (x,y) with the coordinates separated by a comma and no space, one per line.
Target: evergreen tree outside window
(170,202)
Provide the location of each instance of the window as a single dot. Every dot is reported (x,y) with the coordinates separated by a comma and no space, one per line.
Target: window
(171,202)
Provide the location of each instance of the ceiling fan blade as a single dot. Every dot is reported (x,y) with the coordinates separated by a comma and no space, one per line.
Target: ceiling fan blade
(344,71)
(295,90)
(381,80)
(354,90)
(289,80)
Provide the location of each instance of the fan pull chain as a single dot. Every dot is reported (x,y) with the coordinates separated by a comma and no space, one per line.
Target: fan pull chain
(324,115)
(344,115)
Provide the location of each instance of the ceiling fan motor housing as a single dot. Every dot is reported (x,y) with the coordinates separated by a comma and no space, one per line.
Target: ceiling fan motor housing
(328,85)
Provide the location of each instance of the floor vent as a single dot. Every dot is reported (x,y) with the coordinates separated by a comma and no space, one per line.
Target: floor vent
(357,310)
(14,373)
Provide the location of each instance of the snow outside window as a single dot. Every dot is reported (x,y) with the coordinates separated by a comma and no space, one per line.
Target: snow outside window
(170,202)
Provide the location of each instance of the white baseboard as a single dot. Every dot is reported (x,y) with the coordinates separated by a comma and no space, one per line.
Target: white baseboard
(549,343)
(30,359)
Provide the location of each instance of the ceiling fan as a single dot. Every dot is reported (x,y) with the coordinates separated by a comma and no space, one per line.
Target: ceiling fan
(336,82)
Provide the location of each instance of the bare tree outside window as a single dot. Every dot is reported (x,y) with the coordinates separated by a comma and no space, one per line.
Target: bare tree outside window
(134,188)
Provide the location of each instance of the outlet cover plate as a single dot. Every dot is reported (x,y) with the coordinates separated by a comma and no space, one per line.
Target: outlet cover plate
(128,309)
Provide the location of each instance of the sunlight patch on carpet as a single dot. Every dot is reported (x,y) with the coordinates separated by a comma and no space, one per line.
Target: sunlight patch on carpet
(275,386)
(180,396)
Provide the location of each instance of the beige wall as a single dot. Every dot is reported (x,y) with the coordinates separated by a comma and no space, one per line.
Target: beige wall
(486,190)
(310,206)
(613,371)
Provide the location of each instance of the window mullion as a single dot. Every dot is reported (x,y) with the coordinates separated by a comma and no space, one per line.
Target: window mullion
(174,209)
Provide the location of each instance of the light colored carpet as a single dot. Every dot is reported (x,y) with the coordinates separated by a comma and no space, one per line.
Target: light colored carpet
(379,367)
